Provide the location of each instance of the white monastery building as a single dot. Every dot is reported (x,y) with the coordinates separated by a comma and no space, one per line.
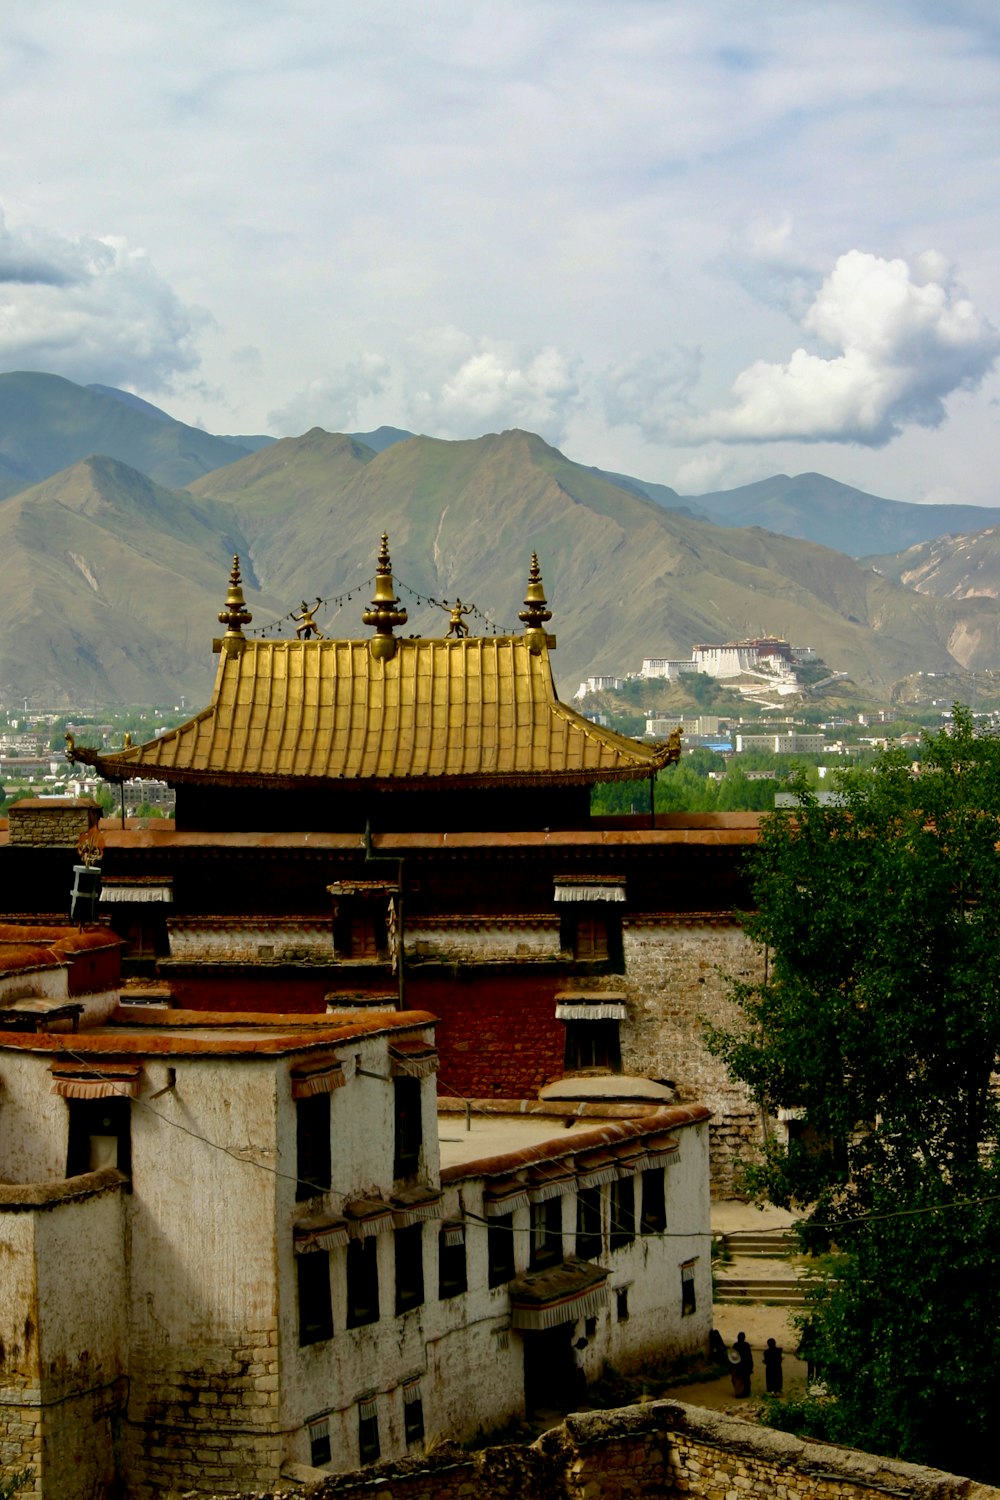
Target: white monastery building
(234,1246)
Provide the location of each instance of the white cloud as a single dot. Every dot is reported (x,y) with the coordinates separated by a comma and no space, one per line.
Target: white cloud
(92,309)
(333,401)
(908,337)
(651,391)
(494,387)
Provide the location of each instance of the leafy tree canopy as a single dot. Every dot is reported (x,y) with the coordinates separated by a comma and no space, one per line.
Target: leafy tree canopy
(878,1022)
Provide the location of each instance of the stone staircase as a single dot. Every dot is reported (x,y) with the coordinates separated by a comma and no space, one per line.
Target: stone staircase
(758,1268)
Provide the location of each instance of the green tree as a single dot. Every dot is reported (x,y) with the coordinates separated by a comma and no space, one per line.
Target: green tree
(879,1018)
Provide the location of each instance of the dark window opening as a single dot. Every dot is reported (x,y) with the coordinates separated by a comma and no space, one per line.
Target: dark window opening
(622,1212)
(408,1127)
(592,1044)
(413,1418)
(315,1301)
(546,1233)
(312,1145)
(100,1135)
(369,1447)
(590,1328)
(360,929)
(688,1299)
(319,1446)
(654,1201)
(409,1246)
(362,1282)
(500,1249)
(451,1263)
(621,1298)
(588,1223)
(590,938)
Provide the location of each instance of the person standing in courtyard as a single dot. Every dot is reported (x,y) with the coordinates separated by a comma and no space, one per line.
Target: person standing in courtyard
(773,1378)
(741,1365)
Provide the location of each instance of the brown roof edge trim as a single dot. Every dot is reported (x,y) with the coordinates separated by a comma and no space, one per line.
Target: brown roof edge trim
(673,1118)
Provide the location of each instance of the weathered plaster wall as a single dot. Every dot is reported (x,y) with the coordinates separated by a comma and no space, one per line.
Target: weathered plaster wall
(203,1402)
(63,1341)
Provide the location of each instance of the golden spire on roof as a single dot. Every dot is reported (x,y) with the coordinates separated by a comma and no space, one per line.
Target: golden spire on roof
(384,612)
(235,614)
(535,614)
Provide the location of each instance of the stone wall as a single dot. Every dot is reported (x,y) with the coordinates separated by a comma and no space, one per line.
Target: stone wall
(678,971)
(662,1449)
(214,1418)
(59,821)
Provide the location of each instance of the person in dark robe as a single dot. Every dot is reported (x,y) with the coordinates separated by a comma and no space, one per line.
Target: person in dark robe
(741,1367)
(772,1368)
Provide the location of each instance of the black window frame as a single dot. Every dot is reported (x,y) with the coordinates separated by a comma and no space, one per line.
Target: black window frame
(320,1452)
(315,1297)
(589,1223)
(653,1212)
(362,1282)
(313,1147)
(408,1126)
(89,1117)
(592,1044)
(408,1248)
(413,1419)
(621,1231)
(453,1270)
(689,1293)
(546,1233)
(500,1249)
(369,1444)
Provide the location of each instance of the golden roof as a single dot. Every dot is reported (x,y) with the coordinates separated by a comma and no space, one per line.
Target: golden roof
(467,712)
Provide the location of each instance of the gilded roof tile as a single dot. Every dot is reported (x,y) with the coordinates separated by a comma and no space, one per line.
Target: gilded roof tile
(469,711)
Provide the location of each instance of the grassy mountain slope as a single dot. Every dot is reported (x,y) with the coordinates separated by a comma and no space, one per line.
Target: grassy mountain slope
(819,509)
(112,588)
(47,424)
(951,567)
(626,578)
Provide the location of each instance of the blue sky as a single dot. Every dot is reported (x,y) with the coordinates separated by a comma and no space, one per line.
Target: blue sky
(698,242)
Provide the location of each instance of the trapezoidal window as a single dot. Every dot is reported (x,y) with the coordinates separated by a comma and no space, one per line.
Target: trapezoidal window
(312,1145)
(100,1135)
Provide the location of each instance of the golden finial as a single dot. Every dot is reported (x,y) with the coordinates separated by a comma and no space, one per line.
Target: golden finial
(384,612)
(535,615)
(235,615)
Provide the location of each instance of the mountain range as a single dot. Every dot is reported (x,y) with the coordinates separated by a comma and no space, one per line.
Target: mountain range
(118,526)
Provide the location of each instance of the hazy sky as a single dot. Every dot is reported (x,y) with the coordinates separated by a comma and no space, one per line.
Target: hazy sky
(697,241)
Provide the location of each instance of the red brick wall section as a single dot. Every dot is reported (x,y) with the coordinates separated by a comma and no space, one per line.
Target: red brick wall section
(277,994)
(496,1036)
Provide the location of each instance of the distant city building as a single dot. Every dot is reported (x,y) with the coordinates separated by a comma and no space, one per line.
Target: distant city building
(656,666)
(600,685)
(782,744)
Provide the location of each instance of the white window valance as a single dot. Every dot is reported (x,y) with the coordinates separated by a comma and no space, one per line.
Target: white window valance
(589,891)
(595,1010)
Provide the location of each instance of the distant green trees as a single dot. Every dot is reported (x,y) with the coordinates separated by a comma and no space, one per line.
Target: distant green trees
(879,1020)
